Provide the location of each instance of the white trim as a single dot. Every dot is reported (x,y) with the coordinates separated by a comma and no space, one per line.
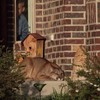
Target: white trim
(31,15)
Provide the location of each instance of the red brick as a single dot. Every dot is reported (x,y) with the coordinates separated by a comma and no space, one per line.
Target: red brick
(66,21)
(66,35)
(65,48)
(38,13)
(38,1)
(44,18)
(73,15)
(61,29)
(58,36)
(66,8)
(44,6)
(69,54)
(79,21)
(97,26)
(49,18)
(79,35)
(54,49)
(74,41)
(57,10)
(92,27)
(39,31)
(73,28)
(48,44)
(39,6)
(65,61)
(61,54)
(90,0)
(59,48)
(50,50)
(67,67)
(38,25)
(61,2)
(52,43)
(73,1)
(57,29)
(61,42)
(78,8)
(95,47)
(46,50)
(90,41)
(38,19)
(87,28)
(95,34)
(49,56)
(53,55)
(88,34)
(57,55)
(57,42)
(97,40)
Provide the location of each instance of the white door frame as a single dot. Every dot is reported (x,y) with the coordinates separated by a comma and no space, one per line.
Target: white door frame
(31,15)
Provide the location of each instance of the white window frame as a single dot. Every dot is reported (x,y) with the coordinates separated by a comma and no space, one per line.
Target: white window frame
(32,15)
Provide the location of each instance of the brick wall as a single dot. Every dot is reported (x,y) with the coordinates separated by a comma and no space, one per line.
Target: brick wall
(76,28)
(66,20)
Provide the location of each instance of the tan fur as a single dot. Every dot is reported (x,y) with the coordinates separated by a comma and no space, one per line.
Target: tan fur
(38,68)
(79,61)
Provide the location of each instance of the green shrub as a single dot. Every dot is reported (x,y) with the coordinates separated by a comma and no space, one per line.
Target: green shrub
(88,89)
(10,76)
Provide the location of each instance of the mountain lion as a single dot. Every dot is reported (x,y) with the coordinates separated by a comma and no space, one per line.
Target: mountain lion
(38,68)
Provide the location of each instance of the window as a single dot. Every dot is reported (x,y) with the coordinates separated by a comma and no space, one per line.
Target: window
(29,13)
(21,19)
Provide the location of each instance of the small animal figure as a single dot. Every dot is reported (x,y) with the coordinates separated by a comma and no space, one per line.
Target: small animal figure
(40,69)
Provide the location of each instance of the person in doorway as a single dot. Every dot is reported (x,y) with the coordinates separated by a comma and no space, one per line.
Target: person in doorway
(22,22)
